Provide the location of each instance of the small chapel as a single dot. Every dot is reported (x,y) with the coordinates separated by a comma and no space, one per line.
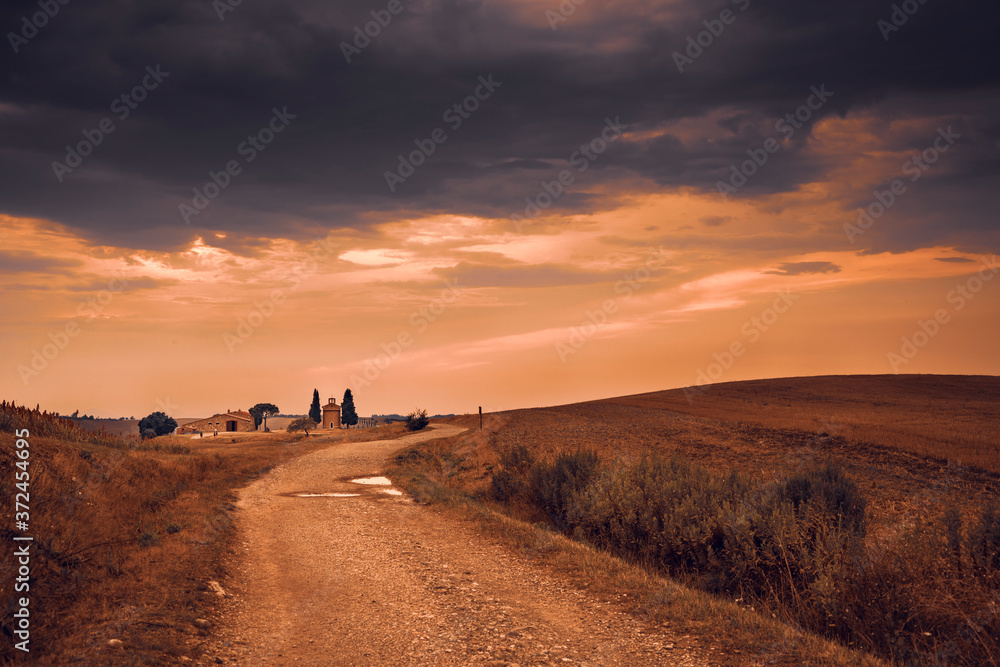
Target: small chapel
(331,415)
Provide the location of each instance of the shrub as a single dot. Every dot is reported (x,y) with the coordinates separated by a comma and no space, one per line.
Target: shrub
(829,491)
(554,487)
(417,420)
(665,513)
(507,487)
(983,544)
(517,459)
(790,542)
(148,538)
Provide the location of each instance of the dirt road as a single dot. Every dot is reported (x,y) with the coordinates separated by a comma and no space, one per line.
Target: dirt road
(374,579)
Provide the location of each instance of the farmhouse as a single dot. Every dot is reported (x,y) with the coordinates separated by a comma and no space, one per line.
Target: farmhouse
(237,420)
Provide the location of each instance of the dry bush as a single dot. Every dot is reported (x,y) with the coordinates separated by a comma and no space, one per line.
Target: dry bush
(796,547)
(554,488)
(417,420)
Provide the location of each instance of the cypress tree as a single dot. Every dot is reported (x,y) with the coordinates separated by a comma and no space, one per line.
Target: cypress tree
(347,413)
(315,413)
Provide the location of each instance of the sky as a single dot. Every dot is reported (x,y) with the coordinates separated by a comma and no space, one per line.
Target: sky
(447,204)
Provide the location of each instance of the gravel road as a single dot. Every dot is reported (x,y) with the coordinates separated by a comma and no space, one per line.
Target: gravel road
(375,579)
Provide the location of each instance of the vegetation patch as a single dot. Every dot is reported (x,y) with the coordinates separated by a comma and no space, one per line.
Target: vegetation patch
(417,420)
(660,601)
(798,547)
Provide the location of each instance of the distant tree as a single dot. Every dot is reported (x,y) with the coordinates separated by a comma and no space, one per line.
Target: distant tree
(417,420)
(262,411)
(315,413)
(148,433)
(348,415)
(159,422)
(302,424)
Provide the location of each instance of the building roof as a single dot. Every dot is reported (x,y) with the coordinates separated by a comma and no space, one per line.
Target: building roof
(238,414)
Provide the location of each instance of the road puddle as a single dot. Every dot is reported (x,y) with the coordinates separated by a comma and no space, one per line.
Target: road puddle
(383,486)
(326,495)
(379,481)
(375,481)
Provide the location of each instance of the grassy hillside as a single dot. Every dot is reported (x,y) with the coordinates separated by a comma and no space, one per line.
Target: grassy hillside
(849,505)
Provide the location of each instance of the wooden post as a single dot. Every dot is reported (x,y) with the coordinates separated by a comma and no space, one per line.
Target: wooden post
(480,418)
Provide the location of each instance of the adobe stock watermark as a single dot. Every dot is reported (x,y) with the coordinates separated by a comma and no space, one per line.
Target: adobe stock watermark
(60,339)
(122,107)
(455,116)
(419,320)
(248,149)
(900,14)
(752,330)
(223,7)
(566,9)
(168,407)
(372,29)
(264,309)
(696,44)
(914,167)
(580,159)
(787,126)
(958,297)
(31,25)
(597,319)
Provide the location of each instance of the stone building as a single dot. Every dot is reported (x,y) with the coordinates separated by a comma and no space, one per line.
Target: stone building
(331,415)
(236,420)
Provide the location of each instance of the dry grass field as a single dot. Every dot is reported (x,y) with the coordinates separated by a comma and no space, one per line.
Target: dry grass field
(917,448)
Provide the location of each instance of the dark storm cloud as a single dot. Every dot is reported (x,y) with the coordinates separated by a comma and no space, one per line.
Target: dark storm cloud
(326,168)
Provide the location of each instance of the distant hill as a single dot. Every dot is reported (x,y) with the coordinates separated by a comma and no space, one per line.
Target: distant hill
(110,426)
(946,416)
(120,426)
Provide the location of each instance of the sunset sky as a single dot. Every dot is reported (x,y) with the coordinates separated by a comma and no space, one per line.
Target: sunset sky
(206,205)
